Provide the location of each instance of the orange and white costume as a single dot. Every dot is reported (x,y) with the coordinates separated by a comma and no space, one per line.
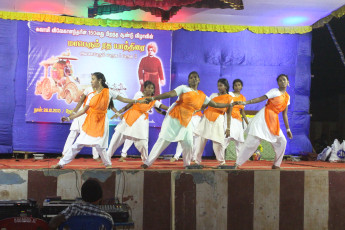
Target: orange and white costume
(176,126)
(76,128)
(95,129)
(236,127)
(133,127)
(211,127)
(195,122)
(265,126)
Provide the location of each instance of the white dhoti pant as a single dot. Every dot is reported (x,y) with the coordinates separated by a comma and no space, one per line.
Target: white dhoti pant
(161,144)
(238,145)
(118,139)
(75,149)
(179,148)
(128,143)
(73,134)
(251,144)
(218,149)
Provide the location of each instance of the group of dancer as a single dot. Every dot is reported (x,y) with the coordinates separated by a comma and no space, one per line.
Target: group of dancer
(184,123)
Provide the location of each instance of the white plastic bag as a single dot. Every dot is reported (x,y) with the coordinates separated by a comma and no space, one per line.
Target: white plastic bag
(335,148)
(341,152)
(324,154)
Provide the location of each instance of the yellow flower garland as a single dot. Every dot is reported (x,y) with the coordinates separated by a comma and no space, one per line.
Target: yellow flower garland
(154,25)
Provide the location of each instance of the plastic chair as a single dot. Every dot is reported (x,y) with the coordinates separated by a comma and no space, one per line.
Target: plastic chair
(87,223)
(27,223)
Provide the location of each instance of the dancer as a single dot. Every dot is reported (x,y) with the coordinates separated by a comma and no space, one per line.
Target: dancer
(211,126)
(195,122)
(129,142)
(236,127)
(265,124)
(95,130)
(77,124)
(135,124)
(176,125)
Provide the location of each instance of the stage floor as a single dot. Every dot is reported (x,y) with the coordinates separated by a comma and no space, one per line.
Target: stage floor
(162,164)
(303,195)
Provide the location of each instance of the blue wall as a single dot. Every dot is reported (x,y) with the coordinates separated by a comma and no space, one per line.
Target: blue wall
(256,59)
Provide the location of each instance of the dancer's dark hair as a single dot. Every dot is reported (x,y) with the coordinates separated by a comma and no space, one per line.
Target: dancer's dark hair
(224,82)
(100,76)
(147,83)
(235,81)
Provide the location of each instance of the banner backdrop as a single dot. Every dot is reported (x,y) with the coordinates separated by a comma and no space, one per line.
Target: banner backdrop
(62,58)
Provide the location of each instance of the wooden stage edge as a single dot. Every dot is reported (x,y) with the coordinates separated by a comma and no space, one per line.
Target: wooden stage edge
(82,163)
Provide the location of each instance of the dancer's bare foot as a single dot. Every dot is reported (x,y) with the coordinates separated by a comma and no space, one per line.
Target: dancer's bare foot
(172,159)
(97,159)
(144,166)
(108,167)
(59,157)
(56,167)
(122,159)
(275,167)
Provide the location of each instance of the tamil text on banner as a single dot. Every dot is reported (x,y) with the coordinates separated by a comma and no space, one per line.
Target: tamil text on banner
(63,56)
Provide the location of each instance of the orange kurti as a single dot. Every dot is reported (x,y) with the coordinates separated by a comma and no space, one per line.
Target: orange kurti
(199,113)
(86,96)
(212,113)
(96,114)
(136,111)
(273,107)
(236,109)
(186,105)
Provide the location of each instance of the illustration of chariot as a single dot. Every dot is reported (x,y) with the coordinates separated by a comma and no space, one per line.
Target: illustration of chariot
(61,79)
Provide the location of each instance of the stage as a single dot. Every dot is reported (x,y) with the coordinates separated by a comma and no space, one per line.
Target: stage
(302,195)
(163,164)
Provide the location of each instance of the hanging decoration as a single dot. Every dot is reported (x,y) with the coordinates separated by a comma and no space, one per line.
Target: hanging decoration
(165,5)
(341,54)
(159,8)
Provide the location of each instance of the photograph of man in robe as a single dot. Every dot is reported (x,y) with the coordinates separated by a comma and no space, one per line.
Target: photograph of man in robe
(150,69)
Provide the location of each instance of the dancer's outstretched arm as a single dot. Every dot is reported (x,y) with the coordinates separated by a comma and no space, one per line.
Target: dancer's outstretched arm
(81,101)
(127,100)
(166,95)
(75,115)
(221,105)
(254,101)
